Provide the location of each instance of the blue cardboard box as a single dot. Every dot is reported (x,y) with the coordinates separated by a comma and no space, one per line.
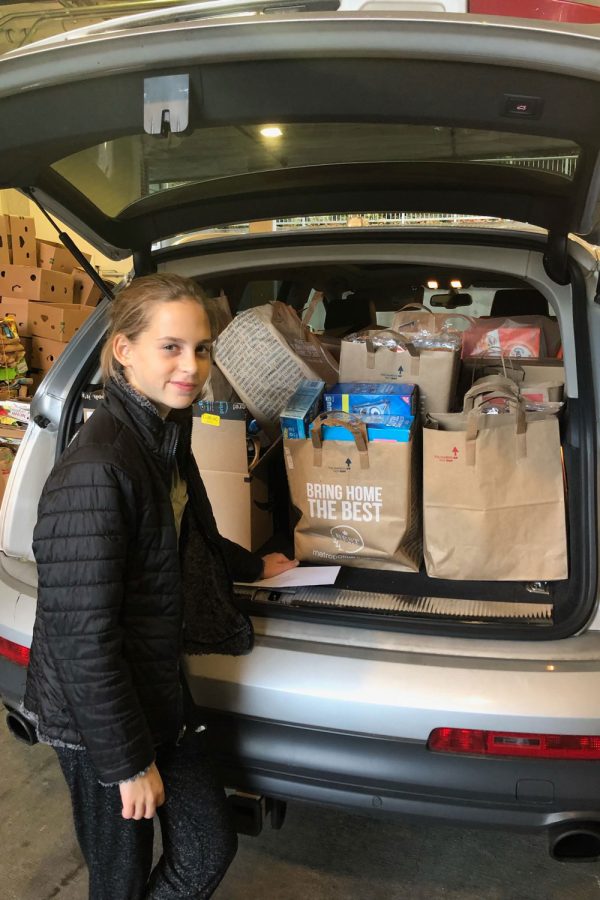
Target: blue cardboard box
(302,407)
(220,409)
(372,399)
(379,428)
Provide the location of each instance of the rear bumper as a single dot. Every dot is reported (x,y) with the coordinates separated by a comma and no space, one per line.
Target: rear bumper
(400,778)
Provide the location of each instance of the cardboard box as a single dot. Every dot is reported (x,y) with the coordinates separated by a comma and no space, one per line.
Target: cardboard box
(239,495)
(20,309)
(4,241)
(301,409)
(371,399)
(58,321)
(52,255)
(13,412)
(22,241)
(36,376)
(45,253)
(85,290)
(33,283)
(45,352)
(379,428)
(12,434)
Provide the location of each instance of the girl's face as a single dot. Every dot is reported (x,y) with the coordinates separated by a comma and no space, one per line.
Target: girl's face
(170,360)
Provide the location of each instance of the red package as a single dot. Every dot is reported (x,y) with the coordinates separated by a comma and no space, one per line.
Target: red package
(487,339)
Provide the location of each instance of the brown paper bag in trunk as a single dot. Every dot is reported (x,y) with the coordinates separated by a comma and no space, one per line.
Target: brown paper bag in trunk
(434,371)
(417,317)
(538,379)
(265,353)
(357,500)
(493,492)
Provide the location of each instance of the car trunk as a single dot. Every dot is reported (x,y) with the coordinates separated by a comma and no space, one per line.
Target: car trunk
(412,600)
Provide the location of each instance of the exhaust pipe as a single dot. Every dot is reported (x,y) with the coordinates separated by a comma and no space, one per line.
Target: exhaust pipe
(575,842)
(20,727)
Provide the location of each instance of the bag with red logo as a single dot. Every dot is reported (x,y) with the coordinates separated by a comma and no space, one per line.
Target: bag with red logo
(493,490)
(357,500)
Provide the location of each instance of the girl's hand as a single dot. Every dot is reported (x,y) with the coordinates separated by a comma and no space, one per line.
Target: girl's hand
(141,796)
(276,563)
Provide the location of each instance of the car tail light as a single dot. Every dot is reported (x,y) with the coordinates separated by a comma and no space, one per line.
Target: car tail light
(16,653)
(514,743)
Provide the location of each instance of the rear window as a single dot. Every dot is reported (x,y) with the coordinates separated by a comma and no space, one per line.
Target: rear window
(115,174)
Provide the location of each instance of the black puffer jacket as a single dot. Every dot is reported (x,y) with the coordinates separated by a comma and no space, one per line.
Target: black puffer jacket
(114,610)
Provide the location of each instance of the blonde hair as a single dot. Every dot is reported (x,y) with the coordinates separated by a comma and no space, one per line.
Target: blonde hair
(132,309)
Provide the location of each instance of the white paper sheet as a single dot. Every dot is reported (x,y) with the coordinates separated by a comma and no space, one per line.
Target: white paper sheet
(301,576)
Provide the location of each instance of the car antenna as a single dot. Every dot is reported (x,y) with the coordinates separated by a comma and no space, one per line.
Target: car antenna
(68,242)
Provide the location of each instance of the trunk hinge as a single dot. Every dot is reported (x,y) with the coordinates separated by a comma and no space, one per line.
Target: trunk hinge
(556,257)
(70,245)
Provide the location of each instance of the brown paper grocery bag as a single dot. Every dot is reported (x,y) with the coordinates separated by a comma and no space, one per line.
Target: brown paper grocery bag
(434,371)
(416,317)
(539,379)
(264,353)
(413,317)
(493,495)
(357,500)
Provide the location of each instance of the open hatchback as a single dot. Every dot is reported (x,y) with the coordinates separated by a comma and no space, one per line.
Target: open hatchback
(462,151)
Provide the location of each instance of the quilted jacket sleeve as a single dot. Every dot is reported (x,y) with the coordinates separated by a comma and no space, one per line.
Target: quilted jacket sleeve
(81,547)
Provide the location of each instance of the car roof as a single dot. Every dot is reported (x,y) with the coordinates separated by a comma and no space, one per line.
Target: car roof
(378,112)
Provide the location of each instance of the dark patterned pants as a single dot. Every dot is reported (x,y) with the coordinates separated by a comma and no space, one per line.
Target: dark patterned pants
(198,839)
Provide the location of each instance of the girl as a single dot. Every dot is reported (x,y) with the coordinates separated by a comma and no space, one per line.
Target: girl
(132,571)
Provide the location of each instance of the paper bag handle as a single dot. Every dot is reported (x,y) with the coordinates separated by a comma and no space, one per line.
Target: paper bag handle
(474,420)
(408,346)
(517,373)
(445,315)
(353,424)
(491,384)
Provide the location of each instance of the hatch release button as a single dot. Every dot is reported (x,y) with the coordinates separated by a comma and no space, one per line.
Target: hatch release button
(522,107)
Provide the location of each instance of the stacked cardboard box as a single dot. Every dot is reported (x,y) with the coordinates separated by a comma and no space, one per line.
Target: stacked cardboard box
(43,288)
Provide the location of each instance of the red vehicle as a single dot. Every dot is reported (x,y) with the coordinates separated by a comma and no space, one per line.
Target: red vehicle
(583,11)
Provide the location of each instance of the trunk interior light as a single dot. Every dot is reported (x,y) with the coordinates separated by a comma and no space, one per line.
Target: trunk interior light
(514,743)
(15,653)
(432,284)
(456,283)
(271,131)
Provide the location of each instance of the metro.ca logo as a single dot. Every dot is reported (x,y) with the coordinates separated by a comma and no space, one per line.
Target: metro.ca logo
(346,466)
(449,457)
(346,539)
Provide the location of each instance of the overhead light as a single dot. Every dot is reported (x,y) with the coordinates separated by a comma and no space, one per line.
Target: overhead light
(271,131)
(432,284)
(456,283)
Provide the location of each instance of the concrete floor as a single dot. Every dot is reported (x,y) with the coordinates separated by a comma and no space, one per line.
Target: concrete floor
(318,855)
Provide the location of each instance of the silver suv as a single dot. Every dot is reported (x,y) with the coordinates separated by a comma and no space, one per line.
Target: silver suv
(433,131)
